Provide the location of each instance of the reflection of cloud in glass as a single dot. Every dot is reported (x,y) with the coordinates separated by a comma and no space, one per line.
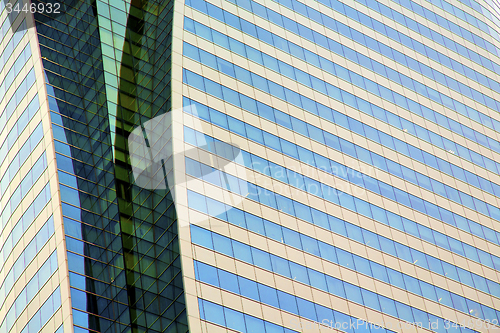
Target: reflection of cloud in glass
(157,145)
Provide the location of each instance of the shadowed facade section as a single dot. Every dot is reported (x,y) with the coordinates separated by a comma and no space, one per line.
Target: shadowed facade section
(121,240)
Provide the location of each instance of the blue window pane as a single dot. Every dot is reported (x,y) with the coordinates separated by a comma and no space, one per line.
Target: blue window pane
(306,309)
(287,302)
(309,244)
(201,237)
(79,318)
(387,245)
(273,328)
(255,134)
(337,225)
(362,265)
(335,286)
(345,259)
(236,126)
(404,312)
(207,273)
(261,259)
(420,317)
(347,202)
(317,279)
(273,231)
(370,299)
(320,218)
(254,325)
(292,238)
(78,299)
(242,252)
(388,306)
(236,216)
(344,320)
(229,281)
(254,223)
(428,290)
(268,295)
(280,266)
(395,278)
(370,239)
(234,320)
(353,293)
(412,284)
(325,315)
(197,201)
(299,273)
(219,119)
(403,252)
(248,288)
(214,313)
(435,265)
(379,272)
(354,232)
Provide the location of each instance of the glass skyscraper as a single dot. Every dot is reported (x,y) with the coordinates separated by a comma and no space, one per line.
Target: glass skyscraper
(250,166)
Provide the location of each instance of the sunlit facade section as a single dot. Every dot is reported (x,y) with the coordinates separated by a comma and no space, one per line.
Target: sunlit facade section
(32,274)
(370,136)
(250,166)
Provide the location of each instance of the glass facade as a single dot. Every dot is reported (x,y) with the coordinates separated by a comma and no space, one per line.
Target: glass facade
(107,70)
(29,271)
(74,85)
(250,166)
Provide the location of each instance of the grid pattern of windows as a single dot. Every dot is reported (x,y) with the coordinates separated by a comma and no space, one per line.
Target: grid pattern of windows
(364,190)
(351,175)
(339,256)
(341,95)
(304,275)
(360,128)
(29,268)
(40,318)
(262,34)
(329,66)
(236,320)
(330,166)
(306,213)
(368,135)
(107,71)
